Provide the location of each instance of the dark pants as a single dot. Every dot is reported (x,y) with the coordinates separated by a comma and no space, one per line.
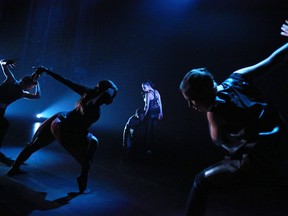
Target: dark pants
(227,174)
(150,126)
(4,125)
(82,148)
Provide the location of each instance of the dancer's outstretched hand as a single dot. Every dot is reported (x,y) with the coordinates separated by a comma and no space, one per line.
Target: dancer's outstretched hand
(39,70)
(284,29)
(9,62)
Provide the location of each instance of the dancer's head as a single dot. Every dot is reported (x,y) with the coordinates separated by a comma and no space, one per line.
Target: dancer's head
(100,89)
(140,113)
(199,89)
(27,83)
(104,85)
(147,85)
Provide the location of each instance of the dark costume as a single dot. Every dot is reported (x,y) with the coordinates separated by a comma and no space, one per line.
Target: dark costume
(257,134)
(9,92)
(70,129)
(133,134)
(151,120)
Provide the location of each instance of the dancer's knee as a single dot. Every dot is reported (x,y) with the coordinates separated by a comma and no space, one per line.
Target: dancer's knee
(32,147)
(92,146)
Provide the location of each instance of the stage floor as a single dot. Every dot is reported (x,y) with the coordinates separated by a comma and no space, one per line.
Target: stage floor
(118,186)
(153,185)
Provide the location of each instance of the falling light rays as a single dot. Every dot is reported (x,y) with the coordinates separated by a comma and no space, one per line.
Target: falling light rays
(65,103)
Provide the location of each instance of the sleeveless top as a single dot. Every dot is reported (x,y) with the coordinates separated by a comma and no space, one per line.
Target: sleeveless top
(154,108)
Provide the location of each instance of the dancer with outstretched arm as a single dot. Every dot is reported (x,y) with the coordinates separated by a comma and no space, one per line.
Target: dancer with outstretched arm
(71,129)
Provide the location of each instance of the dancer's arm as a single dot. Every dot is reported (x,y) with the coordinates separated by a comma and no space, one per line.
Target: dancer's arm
(5,64)
(278,56)
(160,104)
(147,101)
(106,97)
(126,134)
(79,89)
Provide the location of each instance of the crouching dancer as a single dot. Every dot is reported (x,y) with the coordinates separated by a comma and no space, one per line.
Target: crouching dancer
(70,129)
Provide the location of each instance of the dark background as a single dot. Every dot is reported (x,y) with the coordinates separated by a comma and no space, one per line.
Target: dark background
(129,41)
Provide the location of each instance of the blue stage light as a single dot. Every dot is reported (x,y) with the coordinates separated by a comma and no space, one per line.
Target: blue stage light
(39,115)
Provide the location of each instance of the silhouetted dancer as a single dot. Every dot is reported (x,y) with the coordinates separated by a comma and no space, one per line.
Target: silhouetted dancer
(242,122)
(10,91)
(70,129)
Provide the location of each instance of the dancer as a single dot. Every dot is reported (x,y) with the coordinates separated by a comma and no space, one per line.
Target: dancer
(70,129)
(242,122)
(153,112)
(12,90)
(133,134)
